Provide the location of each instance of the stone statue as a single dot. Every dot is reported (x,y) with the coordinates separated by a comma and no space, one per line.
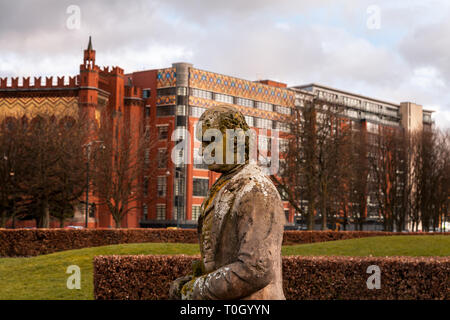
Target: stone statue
(240,227)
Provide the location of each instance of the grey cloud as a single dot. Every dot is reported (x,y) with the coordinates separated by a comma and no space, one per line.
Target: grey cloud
(240,38)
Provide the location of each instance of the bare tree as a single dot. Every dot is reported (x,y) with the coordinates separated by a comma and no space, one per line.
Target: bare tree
(390,168)
(311,166)
(431,166)
(119,168)
(45,162)
(8,163)
(358,171)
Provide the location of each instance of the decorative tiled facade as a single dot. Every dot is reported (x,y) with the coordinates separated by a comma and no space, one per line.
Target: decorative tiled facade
(166,100)
(166,78)
(31,106)
(240,88)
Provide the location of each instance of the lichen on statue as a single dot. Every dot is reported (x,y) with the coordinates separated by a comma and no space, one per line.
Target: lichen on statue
(240,226)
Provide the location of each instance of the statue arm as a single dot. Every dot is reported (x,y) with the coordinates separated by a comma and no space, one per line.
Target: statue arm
(252,270)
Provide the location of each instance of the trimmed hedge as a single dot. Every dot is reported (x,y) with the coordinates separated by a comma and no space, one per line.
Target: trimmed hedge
(312,278)
(26,242)
(300,237)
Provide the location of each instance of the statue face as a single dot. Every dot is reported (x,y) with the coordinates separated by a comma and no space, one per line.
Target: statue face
(213,130)
(213,149)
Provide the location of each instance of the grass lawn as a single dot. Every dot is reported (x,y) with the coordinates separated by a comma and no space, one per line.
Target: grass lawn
(44,277)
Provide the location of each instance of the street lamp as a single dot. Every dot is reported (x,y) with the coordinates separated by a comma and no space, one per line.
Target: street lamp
(88,155)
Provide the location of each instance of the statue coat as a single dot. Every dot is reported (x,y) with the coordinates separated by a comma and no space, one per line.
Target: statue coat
(240,233)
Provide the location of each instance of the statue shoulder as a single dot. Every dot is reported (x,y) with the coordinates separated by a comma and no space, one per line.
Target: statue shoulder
(251,181)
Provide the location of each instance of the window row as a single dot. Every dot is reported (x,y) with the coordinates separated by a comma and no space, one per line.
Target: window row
(264,106)
(196,112)
(284,110)
(263,123)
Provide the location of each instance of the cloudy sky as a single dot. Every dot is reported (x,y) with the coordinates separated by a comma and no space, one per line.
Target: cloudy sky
(392,50)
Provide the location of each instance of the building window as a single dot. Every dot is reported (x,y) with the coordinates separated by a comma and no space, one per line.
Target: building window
(283,110)
(145,186)
(201,93)
(351,113)
(283,126)
(181,91)
(162,158)
(147,111)
(372,127)
(286,214)
(244,102)
(264,106)
(162,186)
(196,112)
(249,121)
(165,111)
(198,160)
(263,123)
(167,91)
(162,132)
(200,187)
(146,93)
(196,211)
(223,98)
(145,211)
(160,211)
(181,110)
(92,210)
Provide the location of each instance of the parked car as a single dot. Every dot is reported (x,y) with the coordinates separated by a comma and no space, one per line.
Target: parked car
(74,227)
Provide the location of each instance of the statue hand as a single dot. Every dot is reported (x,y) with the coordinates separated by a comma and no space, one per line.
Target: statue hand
(176,285)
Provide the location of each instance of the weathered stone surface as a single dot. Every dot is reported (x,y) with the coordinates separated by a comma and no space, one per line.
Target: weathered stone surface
(240,231)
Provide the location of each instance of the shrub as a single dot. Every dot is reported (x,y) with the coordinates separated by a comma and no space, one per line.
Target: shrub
(312,278)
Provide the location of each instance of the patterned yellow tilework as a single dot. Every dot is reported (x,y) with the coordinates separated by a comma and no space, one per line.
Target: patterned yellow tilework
(241,88)
(165,100)
(31,106)
(166,78)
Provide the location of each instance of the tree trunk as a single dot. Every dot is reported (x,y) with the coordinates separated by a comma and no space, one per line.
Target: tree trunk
(44,221)
(310,216)
(3,219)
(323,210)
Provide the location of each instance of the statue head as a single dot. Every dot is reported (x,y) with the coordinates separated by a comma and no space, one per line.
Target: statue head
(228,122)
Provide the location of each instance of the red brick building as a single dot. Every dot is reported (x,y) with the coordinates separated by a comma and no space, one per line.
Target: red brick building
(162,100)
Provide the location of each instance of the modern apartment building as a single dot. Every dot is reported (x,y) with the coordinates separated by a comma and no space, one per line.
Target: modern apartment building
(368,116)
(175,97)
